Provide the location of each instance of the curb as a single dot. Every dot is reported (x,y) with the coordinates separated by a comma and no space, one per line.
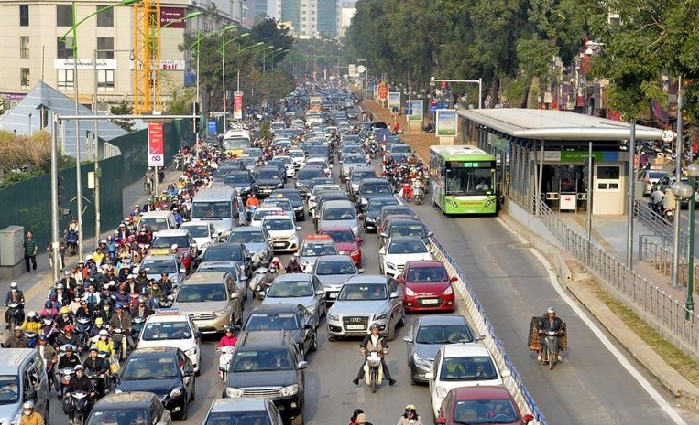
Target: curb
(686,393)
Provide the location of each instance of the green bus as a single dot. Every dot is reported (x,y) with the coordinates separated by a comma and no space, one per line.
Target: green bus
(463,180)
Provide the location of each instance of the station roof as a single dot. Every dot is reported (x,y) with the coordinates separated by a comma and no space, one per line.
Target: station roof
(539,124)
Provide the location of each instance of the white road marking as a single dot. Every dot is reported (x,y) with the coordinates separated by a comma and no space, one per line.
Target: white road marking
(623,361)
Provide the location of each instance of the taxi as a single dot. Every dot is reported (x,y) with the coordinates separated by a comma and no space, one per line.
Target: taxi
(167,327)
(313,247)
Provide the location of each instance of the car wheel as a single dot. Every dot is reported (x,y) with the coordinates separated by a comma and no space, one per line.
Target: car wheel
(401,321)
(184,412)
(314,343)
(391,332)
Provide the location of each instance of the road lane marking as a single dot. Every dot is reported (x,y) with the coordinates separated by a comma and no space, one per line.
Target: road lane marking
(623,361)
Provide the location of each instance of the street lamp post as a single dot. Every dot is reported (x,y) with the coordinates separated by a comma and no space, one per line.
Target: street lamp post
(688,191)
(366,77)
(264,57)
(222,51)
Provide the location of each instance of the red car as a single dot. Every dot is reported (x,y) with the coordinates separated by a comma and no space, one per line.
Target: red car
(467,405)
(345,242)
(427,287)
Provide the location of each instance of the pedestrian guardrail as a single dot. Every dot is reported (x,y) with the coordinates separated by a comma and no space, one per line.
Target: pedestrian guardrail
(476,312)
(657,252)
(658,224)
(657,308)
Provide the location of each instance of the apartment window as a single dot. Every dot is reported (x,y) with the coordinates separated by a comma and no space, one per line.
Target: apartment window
(105,79)
(105,43)
(65,79)
(64,15)
(63,50)
(24,47)
(23,15)
(105,18)
(24,78)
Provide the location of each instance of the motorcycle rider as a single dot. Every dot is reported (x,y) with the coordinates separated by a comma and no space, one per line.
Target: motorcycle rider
(550,323)
(67,337)
(17,340)
(141,310)
(14,296)
(32,323)
(69,359)
(104,344)
(50,357)
(99,366)
(165,283)
(374,342)
(29,415)
(64,319)
(294,266)
(79,382)
(410,416)
(229,339)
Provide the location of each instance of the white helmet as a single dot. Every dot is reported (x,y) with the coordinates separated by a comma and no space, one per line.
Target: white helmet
(13,285)
(174,246)
(104,332)
(29,404)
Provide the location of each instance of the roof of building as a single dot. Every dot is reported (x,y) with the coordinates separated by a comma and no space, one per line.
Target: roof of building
(43,96)
(539,124)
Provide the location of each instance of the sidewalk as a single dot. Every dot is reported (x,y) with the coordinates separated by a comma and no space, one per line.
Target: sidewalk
(610,232)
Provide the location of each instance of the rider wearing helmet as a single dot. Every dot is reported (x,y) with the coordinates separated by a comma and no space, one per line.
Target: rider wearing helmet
(14,296)
(67,337)
(374,342)
(104,343)
(64,318)
(410,417)
(98,365)
(29,415)
(69,359)
(229,339)
(32,323)
(550,323)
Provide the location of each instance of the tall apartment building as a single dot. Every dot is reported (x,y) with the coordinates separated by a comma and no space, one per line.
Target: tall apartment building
(30,48)
(311,18)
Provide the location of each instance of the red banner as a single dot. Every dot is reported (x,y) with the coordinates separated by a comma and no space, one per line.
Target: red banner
(238,105)
(156,148)
(172,17)
(383,91)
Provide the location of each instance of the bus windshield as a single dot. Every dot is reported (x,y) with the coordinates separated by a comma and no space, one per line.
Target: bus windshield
(469,181)
(236,143)
(213,209)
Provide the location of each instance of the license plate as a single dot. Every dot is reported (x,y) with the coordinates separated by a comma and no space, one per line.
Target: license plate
(332,295)
(355,327)
(279,244)
(432,301)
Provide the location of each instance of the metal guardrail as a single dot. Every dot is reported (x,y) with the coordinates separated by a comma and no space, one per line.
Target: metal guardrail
(657,251)
(514,383)
(658,308)
(658,224)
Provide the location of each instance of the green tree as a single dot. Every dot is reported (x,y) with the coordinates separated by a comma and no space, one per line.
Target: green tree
(180,103)
(123,108)
(536,57)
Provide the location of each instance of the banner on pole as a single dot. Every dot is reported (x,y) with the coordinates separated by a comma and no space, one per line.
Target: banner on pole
(415,110)
(393,100)
(238,105)
(446,123)
(156,148)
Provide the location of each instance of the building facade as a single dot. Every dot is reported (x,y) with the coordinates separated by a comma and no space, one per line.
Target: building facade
(310,18)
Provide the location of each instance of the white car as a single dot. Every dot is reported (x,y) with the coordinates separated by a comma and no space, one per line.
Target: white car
(283,232)
(288,163)
(321,188)
(263,212)
(321,162)
(461,365)
(169,328)
(398,251)
(297,157)
(203,233)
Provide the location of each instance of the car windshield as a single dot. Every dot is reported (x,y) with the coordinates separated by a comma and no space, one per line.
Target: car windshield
(427,274)
(9,389)
(260,214)
(309,173)
(286,289)
(198,231)
(278,224)
(237,179)
(143,368)
(443,334)
(160,331)
(407,247)
(168,241)
(154,266)
(364,292)
(377,188)
(355,159)
(271,322)
(237,418)
(261,360)
(316,249)
(268,174)
(154,224)
(129,416)
(499,411)
(223,253)
(194,293)
(335,267)
(375,206)
(397,210)
(407,230)
(361,175)
(217,209)
(341,235)
(467,369)
(247,237)
(284,204)
(339,214)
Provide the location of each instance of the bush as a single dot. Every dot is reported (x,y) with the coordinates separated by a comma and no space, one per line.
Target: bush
(23,156)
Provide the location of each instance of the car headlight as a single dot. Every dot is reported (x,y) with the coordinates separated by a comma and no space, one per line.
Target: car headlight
(342,252)
(380,316)
(420,362)
(220,313)
(290,390)
(333,317)
(311,309)
(449,290)
(176,393)
(409,291)
(279,185)
(390,265)
(191,352)
(234,392)
(441,392)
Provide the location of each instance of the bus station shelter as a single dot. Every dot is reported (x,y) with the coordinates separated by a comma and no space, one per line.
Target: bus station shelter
(543,154)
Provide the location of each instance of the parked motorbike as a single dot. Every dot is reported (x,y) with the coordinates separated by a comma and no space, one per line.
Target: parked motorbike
(15,314)
(373,372)
(224,361)
(550,348)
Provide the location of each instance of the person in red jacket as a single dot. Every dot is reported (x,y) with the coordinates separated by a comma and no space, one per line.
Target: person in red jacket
(229,339)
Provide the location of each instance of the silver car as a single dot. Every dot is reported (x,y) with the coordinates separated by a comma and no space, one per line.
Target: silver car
(339,214)
(427,334)
(298,288)
(332,271)
(364,301)
(349,162)
(255,239)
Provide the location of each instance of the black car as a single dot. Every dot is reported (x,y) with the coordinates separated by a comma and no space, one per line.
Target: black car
(304,176)
(373,209)
(293,195)
(371,188)
(267,179)
(281,166)
(322,151)
(230,251)
(292,318)
(268,365)
(127,407)
(405,226)
(165,371)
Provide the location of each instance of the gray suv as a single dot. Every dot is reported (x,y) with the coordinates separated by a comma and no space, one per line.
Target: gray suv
(363,301)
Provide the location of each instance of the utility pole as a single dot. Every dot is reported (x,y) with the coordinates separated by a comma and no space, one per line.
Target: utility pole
(679,150)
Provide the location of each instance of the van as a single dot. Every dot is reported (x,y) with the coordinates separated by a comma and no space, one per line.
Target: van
(217,205)
(158,220)
(22,378)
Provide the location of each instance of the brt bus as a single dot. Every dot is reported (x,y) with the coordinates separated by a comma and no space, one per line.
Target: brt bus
(236,142)
(463,180)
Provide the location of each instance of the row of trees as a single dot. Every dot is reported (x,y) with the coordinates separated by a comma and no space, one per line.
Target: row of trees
(511,41)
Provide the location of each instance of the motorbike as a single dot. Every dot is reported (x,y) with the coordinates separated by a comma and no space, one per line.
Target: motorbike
(224,361)
(261,281)
(32,338)
(373,372)
(669,215)
(15,314)
(80,405)
(65,374)
(418,195)
(656,207)
(259,260)
(373,150)
(137,325)
(406,192)
(72,242)
(550,348)
(120,345)
(250,212)
(83,328)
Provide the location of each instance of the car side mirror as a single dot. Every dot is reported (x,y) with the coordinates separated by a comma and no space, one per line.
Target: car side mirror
(383,235)
(302,364)
(30,394)
(453,279)
(480,338)
(429,375)
(360,216)
(394,295)
(527,418)
(320,292)
(408,339)
(243,278)
(360,270)
(430,234)
(299,228)
(360,239)
(505,373)
(199,335)
(382,251)
(188,372)
(308,326)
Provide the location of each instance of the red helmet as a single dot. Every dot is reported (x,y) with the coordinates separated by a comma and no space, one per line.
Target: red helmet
(68,328)
(131,238)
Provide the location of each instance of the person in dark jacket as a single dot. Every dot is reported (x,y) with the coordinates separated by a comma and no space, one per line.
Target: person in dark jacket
(14,296)
(17,340)
(374,342)
(79,382)
(551,323)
